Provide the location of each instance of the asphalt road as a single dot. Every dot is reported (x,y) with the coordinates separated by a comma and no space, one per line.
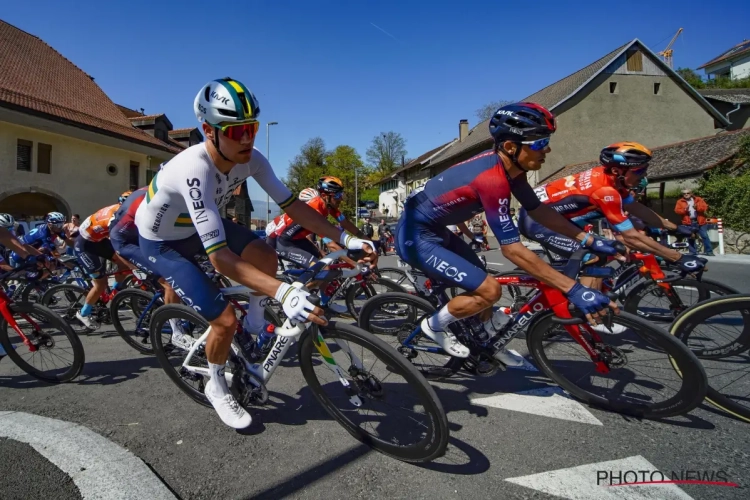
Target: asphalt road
(512,436)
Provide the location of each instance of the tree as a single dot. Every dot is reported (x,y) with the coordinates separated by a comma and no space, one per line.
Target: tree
(307,167)
(692,77)
(342,163)
(720,82)
(386,153)
(486,111)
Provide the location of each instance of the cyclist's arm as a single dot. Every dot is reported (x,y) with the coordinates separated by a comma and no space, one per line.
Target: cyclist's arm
(648,216)
(309,218)
(10,242)
(530,262)
(349,226)
(544,214)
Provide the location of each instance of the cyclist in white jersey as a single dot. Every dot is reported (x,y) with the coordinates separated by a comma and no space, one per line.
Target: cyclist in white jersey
(180,218)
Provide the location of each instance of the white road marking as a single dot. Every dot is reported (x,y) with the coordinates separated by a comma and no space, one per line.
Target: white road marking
(99,468)
(548,402)
(580,482)
(527,366)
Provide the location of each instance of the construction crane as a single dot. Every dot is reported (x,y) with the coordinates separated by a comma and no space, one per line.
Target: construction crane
(666,54)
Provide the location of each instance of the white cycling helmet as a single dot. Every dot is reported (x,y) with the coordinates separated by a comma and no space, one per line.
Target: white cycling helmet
(308,194)
(7,221)
(225,100)
(55,218)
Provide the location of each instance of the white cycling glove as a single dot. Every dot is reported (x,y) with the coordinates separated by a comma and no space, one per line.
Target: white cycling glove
(294,302)
(351,243)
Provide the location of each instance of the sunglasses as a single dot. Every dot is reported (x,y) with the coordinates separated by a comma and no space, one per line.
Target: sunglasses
(639,171)
(538,144)
(236,131)
(338,196)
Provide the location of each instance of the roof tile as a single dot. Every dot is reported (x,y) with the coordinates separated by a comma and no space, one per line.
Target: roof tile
(735,96)
(34,77)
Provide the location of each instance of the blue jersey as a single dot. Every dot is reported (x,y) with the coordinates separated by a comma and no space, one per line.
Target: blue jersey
(479,184)
(40,238)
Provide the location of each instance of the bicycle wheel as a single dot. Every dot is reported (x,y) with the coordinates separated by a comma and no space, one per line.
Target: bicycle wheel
(630,359)
(357,292)
(31,319)
(650,301)
(420,438)
(718,332)
(396,316)
(66,300)
(131,316)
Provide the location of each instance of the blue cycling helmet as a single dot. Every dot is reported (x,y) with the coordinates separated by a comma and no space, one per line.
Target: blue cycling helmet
(522,121)
(54,218)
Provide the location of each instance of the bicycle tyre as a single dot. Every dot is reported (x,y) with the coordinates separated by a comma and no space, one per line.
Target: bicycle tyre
(45,300)
(705,288)
(686,322)
(79,355)
(432,446)
(114,306)
(351,293)
(694,380)
(160,317)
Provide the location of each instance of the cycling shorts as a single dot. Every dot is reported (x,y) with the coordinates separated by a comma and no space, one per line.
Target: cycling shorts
(176,262)
(439,253)
(124,238)
(552,241)
(93,256)
(302,251)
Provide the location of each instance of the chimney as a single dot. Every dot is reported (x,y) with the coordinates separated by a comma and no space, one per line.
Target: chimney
(463,130)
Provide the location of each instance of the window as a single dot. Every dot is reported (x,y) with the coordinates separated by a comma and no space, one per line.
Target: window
(44,158)
(613,87)
(149,175)
(23,155)
(635,61)
(657,88)
(134,167)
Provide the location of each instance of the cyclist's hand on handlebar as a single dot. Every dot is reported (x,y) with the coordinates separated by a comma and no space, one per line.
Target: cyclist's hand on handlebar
(692,263)
(353,243)
(298,307)
(591,302)
(607,247)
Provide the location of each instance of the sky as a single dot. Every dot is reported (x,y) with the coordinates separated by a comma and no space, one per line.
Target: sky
(347,71)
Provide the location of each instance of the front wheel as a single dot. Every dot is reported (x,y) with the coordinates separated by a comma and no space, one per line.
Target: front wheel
(359,292)
(652,301)
(650,374)
(390,408)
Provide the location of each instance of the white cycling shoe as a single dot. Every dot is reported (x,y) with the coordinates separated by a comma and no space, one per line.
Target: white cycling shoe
(446,340)
(616,329)
(229,410)
(87,321)
(508,358)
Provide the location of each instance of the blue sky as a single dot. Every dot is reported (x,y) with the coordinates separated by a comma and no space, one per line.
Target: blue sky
(348,70)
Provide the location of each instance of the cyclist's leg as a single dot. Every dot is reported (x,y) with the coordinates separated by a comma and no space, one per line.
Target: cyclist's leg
(93,265)
(302,252)
(426,248)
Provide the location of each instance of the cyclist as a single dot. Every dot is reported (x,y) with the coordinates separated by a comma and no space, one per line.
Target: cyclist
(484,183)
(93,249)
(7,222)
(180,218)
(45,237)
(604,192)
(290,239)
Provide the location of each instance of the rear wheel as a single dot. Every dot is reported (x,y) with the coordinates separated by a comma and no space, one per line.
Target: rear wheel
(651,301)
(131,317)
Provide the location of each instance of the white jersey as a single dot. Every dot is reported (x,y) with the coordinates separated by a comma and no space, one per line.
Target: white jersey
(185,196)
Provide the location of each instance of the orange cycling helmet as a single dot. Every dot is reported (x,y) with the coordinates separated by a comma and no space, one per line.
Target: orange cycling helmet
(330,185)
(625,154)
(124,196)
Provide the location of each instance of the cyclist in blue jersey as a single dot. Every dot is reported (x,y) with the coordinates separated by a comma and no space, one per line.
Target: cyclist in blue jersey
(179,218)
(485,183)
(44,237)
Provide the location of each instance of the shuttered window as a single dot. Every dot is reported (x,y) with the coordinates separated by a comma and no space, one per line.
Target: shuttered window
(23,155)
(44,158)
(635,61)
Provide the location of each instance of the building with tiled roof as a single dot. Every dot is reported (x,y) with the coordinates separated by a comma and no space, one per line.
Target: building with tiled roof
(64,145)
(732,103)
(733,63)
(628,94)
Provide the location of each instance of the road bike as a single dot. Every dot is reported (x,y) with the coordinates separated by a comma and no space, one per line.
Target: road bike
(601,364)
(369,398)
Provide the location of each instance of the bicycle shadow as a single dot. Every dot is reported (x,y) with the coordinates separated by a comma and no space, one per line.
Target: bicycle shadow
(94,373)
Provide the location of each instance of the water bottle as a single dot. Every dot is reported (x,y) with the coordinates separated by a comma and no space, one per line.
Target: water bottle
(265,336)
(496,322)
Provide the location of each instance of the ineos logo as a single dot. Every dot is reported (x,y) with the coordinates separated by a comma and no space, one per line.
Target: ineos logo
(195,194)
(588,296)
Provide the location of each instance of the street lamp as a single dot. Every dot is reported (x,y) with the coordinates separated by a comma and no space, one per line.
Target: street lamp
(356,199)
(268,157)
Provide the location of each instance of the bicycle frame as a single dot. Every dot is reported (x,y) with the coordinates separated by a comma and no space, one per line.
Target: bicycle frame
(286,336)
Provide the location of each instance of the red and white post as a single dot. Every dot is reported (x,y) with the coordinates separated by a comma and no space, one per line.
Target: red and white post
(720,227)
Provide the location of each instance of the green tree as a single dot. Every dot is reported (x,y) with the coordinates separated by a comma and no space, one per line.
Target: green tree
(307,167)
(342,162)
(692,77)
(386,153)
(721,82)
(486,111)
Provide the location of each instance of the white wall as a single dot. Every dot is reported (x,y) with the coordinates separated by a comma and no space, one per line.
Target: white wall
(78,173)
(739,68)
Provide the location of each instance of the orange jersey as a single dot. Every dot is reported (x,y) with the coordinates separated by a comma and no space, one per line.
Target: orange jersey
(587,196)
(288,229)
(96,227)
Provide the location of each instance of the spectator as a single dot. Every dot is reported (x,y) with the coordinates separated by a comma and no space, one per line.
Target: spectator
(70,232)
(367,229)
(693,211)
(384,232)
(513,217)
